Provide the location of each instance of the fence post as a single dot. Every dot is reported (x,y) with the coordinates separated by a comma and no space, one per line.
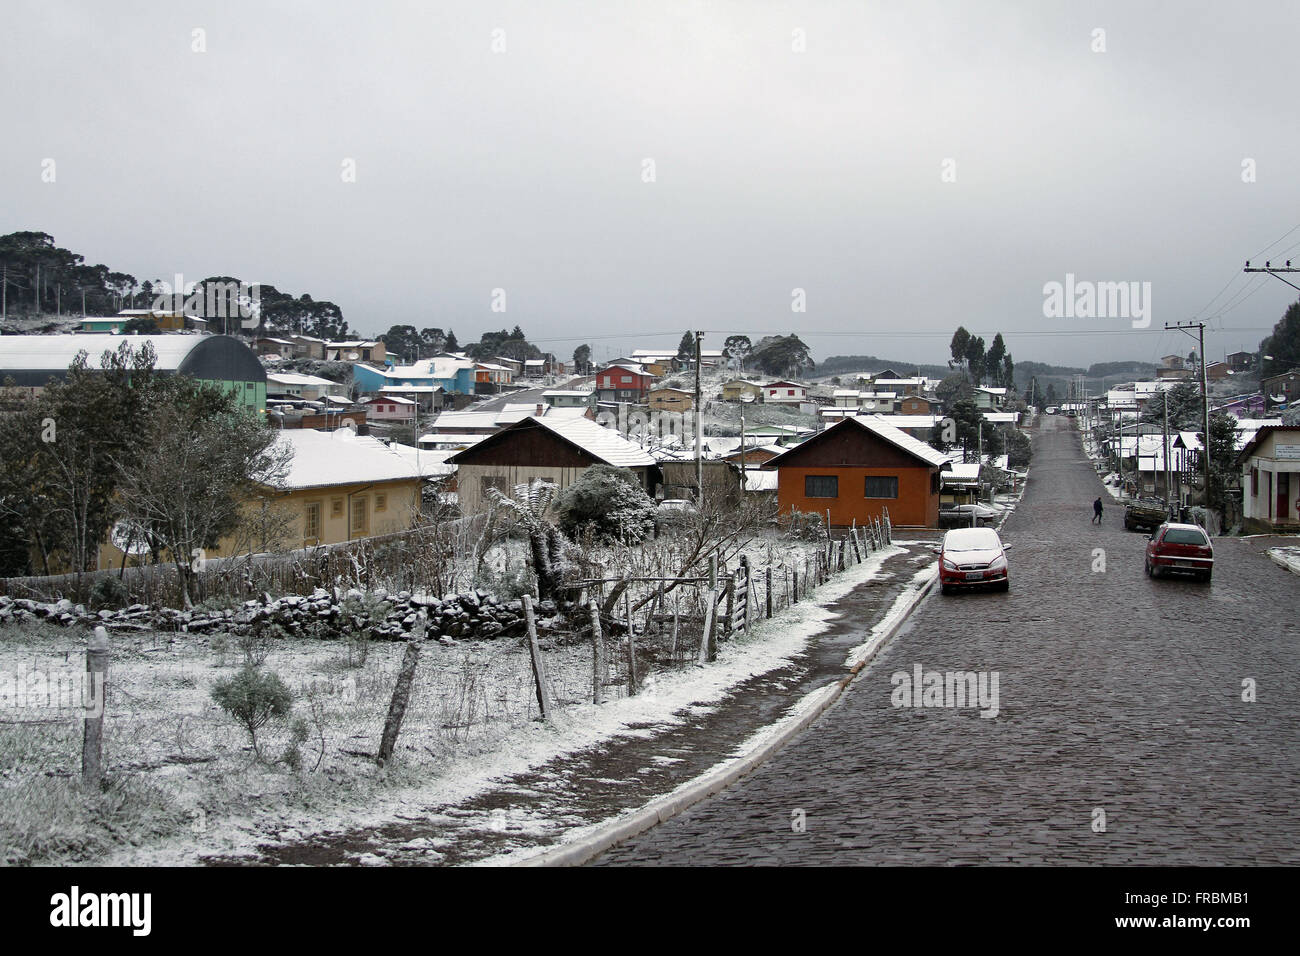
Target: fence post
(730,591)
(744,602)
(840,559)
(677,608)
(632,645)
(794,584)
(597,655)
(539,666)
(705,643)
(769,592)
(92,742)
(401,696)
(857,551)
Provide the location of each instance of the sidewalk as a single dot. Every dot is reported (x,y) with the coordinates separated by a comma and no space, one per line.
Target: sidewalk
(684,724)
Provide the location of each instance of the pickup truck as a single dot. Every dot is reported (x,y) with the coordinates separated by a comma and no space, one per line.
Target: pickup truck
(1148,513)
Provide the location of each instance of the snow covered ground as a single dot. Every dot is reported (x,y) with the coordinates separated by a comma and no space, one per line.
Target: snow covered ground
(472,718)
(1287,556)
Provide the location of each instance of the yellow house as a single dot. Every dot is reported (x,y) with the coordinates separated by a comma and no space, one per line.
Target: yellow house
(340,487)
(739,389)
(671,399)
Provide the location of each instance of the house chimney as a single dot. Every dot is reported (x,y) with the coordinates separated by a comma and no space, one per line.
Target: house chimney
(541,409)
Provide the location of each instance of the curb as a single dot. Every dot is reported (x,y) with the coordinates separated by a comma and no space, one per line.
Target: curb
(665,808)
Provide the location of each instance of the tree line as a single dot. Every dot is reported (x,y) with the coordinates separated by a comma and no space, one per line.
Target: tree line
(38,277)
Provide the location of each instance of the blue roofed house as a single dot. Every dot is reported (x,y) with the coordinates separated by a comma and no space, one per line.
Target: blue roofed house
(455,376)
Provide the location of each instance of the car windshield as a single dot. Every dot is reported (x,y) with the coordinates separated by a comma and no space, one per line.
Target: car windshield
(972,539)
(1184,536)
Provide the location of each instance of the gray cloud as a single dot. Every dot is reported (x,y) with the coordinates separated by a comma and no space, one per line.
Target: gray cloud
(774,169)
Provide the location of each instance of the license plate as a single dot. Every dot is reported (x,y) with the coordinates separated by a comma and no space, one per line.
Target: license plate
(1185,564)
(974,575)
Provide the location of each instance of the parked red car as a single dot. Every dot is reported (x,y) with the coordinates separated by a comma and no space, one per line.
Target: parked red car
(972,557)
(1180,549)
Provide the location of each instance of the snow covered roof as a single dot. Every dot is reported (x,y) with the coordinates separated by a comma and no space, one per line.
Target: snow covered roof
(393,399)
(603,444)
(22,352)
(964,471)
(411,389)
(291,378)
(432,463)
(567,393)
(881,427)
(999,418)
(756,480)
(454,440)
(325,459)
(912,421)
(466,420)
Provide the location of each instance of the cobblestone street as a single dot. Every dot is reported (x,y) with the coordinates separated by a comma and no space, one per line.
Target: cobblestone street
(1118,695)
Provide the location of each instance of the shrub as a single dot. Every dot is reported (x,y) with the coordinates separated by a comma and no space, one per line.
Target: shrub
(610,502)
(109,592)
(806,526)
(256,644)
(253,697)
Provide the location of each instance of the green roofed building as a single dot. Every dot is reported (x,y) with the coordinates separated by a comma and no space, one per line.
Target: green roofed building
(30,361)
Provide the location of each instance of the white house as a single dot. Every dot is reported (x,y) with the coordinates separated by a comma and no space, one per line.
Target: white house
(785,393)
(1270,479)
(390,408)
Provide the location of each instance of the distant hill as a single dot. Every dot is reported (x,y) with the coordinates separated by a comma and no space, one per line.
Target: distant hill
(847,365)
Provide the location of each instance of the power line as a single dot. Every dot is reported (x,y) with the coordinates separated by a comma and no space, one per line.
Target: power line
(1276,241)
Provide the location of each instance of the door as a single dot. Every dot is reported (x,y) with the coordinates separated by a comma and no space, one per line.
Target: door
(1283,494)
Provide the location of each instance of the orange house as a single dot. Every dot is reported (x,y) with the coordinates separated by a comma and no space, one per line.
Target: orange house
(856,469)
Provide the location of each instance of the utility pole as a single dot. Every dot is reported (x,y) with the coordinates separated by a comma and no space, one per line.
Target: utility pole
(743,467)
(1205,396)
(1272,270)
(699,429)
(1165,459)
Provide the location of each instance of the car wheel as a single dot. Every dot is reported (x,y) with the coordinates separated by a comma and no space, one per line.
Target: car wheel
(1005,586)
(1147,566)
(1205,576)
(945,589)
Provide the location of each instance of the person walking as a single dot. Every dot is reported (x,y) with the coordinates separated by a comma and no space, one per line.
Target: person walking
(1096,510)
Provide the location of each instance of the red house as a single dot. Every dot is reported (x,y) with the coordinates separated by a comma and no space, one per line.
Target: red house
(623,383)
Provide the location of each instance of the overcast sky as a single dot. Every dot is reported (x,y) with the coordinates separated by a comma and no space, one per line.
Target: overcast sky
(774,168)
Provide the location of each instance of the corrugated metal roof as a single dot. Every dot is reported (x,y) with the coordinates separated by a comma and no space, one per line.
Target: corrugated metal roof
(47,352)
(322,459)
(600,442)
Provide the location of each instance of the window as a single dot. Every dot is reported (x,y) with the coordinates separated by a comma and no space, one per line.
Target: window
(821,486)
(627,379)
(311,521)
(1254,482)
(381,502)
(336,507)
(360,515)
(789,391)
(881,486)
(492,481)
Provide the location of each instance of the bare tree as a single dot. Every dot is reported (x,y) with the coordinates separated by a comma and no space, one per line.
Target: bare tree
(203,474)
